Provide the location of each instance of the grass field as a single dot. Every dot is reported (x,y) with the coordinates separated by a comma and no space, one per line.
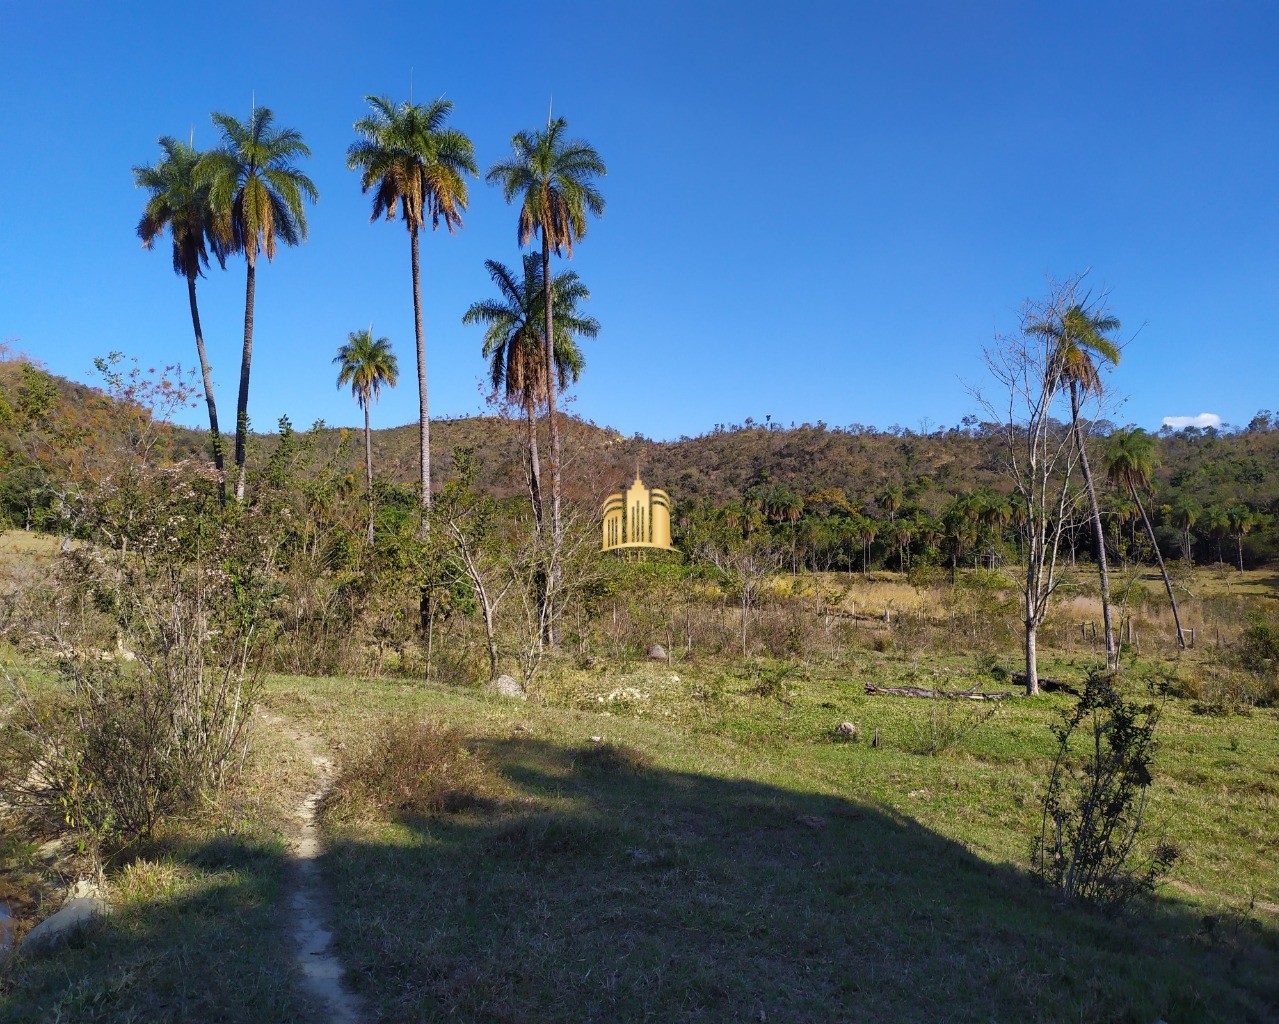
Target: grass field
(687,842)
(730,862)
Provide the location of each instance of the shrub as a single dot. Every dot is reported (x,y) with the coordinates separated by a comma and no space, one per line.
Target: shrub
(415,767)
(946,723)
(154,728)
(1258,648)
(769,679)
(1094,806)
(120,748)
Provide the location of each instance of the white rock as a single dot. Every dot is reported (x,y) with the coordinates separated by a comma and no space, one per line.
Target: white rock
(508,686)
(53,931)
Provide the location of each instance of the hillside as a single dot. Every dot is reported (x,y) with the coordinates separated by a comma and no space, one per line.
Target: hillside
(82,431)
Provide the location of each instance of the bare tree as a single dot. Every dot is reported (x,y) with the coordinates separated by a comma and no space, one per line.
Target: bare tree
(550,574)
(476,537)
(746,568)
(1039,457)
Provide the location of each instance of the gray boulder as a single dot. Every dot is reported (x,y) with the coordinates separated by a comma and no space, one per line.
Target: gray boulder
(657,653)
(54,931)
(508,686)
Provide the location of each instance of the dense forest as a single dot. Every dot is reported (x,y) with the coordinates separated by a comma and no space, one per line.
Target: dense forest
(834,497)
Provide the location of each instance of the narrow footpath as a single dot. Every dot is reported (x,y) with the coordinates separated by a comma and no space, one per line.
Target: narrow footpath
(307,906)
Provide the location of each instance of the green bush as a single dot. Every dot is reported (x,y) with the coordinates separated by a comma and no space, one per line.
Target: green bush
(1258,649)
(1094,808)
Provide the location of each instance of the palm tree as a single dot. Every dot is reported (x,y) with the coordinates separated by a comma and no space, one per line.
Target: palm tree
(1185,513)
(1242,520)
(366,365)
(256,194)
(1130,459)
(513,343)
(1217,521)
(179,201)
(417,167)
(553,176)
(1079,338)
(890,501)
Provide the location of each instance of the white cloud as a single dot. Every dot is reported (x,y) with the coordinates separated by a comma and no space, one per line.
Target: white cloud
(1204,419)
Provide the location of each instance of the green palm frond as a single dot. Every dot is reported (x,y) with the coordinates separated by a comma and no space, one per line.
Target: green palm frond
(514,339)
(366,365)
(1130,459)
(179,201)
(1079,337)
(553,177)
(414,165)
(257,194)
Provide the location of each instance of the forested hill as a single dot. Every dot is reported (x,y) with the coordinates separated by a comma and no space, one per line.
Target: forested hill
(1206,467)
(52,428)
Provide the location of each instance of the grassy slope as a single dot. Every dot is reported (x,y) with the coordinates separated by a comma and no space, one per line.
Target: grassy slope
(691,890)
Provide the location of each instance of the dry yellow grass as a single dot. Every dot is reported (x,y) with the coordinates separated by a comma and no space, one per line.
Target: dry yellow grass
(27,544)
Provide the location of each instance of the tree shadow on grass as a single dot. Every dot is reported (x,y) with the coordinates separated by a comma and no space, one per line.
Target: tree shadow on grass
(610,890)
(197,940)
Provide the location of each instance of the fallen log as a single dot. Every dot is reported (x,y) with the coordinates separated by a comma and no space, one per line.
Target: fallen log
(919,691)
(1049,685)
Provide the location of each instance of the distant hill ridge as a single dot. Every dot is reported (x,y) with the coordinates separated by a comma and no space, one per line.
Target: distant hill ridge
(1209,466)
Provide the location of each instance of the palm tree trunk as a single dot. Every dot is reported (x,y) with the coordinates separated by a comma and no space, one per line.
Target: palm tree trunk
(368,464)
(424,419)
(549,345)
(535,464)
(246,362)
(215,437)
(1150,532)
(1239,538)
(1099,536)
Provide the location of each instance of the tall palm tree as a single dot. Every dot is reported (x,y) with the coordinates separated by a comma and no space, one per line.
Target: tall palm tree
(513,343)
(1217,522)
(1079,340)
(1185,513)
(179,201)
(1130,460)
(366,365)
(554,178)
(891,500)
(416,167)
(257,197)
(1242,520)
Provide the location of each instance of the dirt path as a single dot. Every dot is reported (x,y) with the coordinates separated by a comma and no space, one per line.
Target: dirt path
(308,906)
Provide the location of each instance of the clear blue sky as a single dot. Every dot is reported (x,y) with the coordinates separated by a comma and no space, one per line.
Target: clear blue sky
(815,210)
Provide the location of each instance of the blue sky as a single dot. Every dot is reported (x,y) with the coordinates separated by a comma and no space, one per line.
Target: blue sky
(816,211)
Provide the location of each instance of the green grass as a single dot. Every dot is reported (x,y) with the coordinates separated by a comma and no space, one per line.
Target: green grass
(733,861)
(718,855)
